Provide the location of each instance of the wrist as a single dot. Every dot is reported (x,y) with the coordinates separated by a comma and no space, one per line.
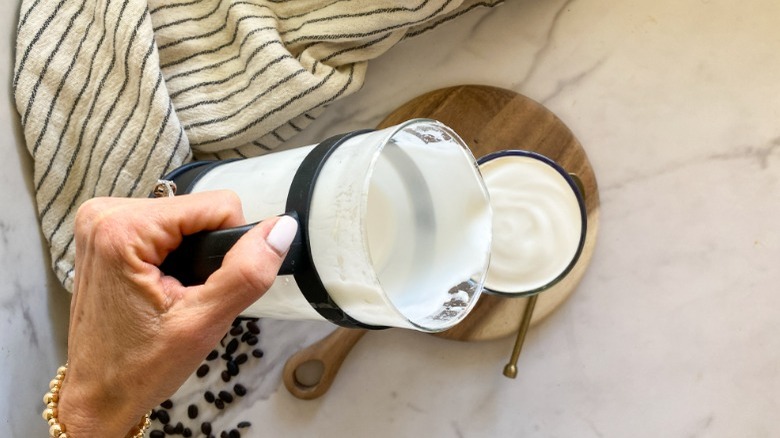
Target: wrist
(85,409)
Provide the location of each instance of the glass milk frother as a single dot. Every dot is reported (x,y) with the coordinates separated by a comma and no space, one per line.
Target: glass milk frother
(394,227)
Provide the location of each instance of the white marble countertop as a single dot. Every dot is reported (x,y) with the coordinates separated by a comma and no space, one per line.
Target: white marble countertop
(672,332)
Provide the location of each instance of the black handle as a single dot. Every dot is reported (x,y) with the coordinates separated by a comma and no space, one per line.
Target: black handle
(200,254)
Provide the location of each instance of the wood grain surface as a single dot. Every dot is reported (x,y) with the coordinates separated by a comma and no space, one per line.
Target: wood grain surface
(489,119)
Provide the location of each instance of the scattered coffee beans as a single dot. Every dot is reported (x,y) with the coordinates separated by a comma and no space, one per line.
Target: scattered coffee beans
(163,416)
(226,396)
(202,371)
(232,368)
(243,331)
(232,346)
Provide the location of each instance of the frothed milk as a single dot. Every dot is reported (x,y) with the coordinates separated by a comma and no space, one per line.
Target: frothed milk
(385,245)
(537,225)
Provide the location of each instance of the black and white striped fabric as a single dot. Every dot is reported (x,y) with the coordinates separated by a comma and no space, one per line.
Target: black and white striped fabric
(115,93)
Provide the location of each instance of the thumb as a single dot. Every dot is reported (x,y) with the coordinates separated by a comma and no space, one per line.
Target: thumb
(251,265)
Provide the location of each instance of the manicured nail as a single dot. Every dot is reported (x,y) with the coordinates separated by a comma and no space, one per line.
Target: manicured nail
(282,234)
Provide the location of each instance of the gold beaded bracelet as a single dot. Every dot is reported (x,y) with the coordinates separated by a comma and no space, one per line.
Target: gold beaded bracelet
(50,414)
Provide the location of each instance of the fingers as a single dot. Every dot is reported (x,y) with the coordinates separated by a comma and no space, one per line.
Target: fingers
(184,215)
(282,234)
(250,267)
(150,229)
(188,213)
(135,236)
(195,212)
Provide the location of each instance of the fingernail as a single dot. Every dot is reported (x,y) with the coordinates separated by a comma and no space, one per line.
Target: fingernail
(282,234)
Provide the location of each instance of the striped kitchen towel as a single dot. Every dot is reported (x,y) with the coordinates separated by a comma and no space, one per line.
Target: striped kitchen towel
(113,94)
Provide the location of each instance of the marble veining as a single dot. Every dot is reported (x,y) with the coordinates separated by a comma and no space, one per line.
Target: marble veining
(672,331)
(545,47)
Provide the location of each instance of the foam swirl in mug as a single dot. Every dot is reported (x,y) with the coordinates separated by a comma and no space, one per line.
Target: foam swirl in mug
(537,222)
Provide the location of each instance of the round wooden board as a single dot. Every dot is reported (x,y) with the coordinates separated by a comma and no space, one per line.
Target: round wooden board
(490,119)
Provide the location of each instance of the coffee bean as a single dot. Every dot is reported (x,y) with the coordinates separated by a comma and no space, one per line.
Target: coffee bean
(252,340)
(232,346)
(239,389)
(244,424)
(226,396)
(153,415)
(236,322)
(187,432)
(163,416)
(205,427)
(241,359)
(219,404)
(246,336)
(232,368)
(225,376)
(237,330)
(224,434)
(253,327)
(258,353)
(209,396)
(156,434)
(179,428)
(167,404)
(213,355)
(227,356)
(169,429)
(192,412)
(202,370)
(234,434)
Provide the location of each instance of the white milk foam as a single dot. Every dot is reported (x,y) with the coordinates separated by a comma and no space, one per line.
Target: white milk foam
(407,247)
(537,223)
(427,222)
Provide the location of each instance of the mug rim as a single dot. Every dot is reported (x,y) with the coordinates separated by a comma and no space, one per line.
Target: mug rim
(583,218)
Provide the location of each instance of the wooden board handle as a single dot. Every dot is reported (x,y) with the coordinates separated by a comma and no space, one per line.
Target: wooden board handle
(309,373)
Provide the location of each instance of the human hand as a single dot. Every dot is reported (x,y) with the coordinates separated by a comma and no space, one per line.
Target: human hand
(135,334)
